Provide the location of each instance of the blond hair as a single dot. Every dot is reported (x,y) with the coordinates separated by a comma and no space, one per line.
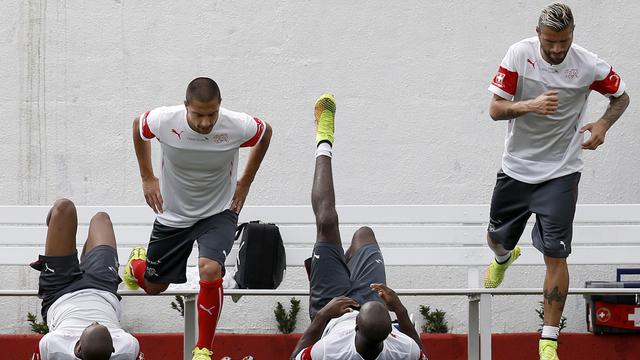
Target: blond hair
(557,16)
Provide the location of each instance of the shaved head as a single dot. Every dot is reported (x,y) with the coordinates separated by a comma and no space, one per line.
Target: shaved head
(373,322)
(95,343)
(202,89)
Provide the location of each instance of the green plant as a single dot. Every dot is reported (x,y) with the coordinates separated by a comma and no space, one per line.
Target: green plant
(434,321)
(540,312)
(37,326)
(287,320)
(178,305)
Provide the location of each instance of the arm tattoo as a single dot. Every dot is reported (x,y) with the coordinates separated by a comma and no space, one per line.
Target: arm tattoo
(616,107)
(510,113)
(555,295)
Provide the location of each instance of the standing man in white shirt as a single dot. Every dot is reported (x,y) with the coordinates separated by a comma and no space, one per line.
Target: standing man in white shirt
(80,303)
(341,283)
(541,89)
(198,196)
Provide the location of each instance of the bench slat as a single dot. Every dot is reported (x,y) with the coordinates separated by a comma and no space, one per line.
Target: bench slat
(349,214)
(387,235)
(407,256)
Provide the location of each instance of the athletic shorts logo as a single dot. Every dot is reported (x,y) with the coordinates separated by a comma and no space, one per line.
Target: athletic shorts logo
(48,269)
(151,272)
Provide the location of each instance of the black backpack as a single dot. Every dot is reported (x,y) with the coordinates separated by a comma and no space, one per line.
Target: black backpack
(261,261)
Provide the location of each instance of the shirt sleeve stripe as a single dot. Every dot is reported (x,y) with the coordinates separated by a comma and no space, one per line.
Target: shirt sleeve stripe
(258,135)
(503,94)
(145,131)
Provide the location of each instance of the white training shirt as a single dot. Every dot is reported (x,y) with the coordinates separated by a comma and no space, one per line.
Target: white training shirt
(543,147)
(338,342)
(73,312)
(199,171)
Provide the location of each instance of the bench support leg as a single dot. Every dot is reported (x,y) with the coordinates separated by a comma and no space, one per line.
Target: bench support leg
(473,339)
(189,325)
(485,326)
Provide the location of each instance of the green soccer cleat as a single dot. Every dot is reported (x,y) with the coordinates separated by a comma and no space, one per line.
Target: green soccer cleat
(201,354)
(324,111)
(130,281)
(495,272)
(548,349)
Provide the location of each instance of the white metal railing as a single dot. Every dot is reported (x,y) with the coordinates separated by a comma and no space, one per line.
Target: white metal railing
(479,329)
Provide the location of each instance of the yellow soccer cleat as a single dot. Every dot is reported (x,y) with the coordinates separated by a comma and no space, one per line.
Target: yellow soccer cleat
(137,253)
(495,272)
(325,111)
(201,354)
(548,349)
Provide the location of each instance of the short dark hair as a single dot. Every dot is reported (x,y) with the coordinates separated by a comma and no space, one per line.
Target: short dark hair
(203,89)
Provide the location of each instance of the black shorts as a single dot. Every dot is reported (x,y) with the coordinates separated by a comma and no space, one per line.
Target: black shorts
(169,247)
(60,275)
(331,276)
(553,202)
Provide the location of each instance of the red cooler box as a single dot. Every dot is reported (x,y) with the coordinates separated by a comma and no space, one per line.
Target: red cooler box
(614,314)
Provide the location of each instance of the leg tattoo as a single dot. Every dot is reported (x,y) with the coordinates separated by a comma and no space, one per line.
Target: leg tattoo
(555,295)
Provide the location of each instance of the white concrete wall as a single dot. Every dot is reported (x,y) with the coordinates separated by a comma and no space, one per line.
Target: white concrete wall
(410,78)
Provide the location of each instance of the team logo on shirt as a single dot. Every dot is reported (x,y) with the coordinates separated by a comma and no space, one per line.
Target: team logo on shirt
(499,78)
(571,74)
(220,138)
(179,134)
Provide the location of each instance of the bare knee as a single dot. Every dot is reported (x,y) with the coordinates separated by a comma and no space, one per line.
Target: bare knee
(327,219)
(364,236)
(555,263)
(155,288)
(62,208)
(101,217)
(209,269)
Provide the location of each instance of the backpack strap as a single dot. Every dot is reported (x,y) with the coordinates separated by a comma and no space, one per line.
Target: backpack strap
(239,230)
(242,226)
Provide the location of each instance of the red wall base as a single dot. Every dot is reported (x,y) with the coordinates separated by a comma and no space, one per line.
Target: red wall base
(439,346)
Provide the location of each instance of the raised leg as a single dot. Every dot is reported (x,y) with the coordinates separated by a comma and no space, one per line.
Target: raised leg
(100,233)
(62,225)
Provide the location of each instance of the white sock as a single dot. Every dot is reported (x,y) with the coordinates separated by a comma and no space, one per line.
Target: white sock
(501,259)
(550,332)
(324,149)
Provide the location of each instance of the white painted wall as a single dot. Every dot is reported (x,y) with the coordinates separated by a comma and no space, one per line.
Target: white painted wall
(410,78)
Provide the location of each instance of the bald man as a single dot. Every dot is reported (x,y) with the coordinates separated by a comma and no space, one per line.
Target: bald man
(79,300)
(349,304)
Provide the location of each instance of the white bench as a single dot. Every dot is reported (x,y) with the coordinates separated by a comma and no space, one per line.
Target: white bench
(411,235)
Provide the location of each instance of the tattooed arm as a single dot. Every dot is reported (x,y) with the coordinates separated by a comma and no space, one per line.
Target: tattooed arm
(598,129)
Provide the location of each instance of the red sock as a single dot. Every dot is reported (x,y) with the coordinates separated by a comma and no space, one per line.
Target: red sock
(209,308)
(139,267)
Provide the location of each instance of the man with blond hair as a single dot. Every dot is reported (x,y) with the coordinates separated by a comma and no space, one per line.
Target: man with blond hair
(541,88)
